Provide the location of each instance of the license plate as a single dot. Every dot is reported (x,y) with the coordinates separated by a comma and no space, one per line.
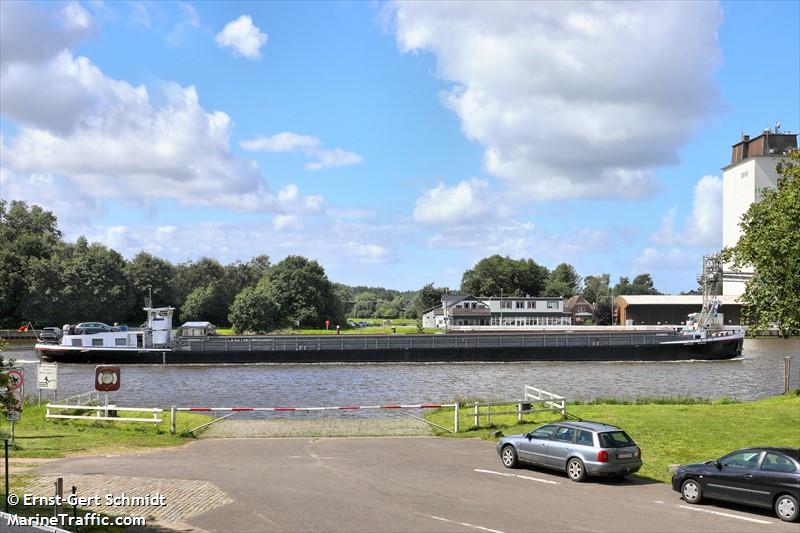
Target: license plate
(624,455)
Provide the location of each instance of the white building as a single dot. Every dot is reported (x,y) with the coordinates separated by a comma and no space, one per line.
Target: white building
(459,311)
(752,170)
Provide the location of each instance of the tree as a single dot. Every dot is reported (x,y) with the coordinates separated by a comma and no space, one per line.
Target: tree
(770,246)
(563,281)
(191,275)
(642,284)
(254,311)
(27,234)
(597,290)
(303,292)
(494,274)
(427,297)
(365,304)
(147,275)
(79,282)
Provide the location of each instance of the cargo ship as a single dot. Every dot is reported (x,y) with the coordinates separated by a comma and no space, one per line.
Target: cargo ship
(197,343)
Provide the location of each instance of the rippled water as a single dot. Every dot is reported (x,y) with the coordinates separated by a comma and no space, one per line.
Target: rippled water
(758,373)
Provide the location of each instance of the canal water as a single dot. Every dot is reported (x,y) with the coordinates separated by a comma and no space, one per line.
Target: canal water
(756,374)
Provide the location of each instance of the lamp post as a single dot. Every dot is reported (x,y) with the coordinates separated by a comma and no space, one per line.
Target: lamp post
(501,307)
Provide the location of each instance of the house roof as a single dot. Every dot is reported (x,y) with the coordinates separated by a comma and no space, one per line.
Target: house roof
(570,304)
(673,299)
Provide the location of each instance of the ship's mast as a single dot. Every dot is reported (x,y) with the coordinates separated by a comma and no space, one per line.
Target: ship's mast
(709,278)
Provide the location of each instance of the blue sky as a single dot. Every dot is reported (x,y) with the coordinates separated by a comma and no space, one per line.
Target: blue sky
(396,143)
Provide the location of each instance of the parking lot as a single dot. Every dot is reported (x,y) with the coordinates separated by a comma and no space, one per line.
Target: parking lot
(393,484)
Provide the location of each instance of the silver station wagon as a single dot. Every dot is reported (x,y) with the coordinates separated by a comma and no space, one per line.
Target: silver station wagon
(580,449)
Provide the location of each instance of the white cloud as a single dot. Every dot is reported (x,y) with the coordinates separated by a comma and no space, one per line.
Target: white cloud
(311,146)
(243,37)
(671,259)
(703,227)
(280,142)
(365,252)
(666,232)
(518,238)
(280,222)
(333,158)
(448,205)
(571,99)
(111,139)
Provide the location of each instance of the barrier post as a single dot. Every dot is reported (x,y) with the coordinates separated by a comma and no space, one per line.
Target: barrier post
(476,415)
(455,418)
(519,411)
(172,419)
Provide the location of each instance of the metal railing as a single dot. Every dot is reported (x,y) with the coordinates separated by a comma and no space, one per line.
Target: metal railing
(554,401)
(93,401)
(419,341)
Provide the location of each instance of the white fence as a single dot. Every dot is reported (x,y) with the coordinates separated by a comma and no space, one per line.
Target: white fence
(550,399)
(91,402)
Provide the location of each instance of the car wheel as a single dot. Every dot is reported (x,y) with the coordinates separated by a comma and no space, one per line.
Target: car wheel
(786,508)
(575,469)
(691,491)
(509,456)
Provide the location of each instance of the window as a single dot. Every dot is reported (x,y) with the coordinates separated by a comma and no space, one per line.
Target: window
(544,432)
(777,463)
(744,460)
(564,434)
(120,342)
(615,439)
(506,304)
(585,438)
(76,342)
(97,342)
(552,304)
(520,304)
(531,304)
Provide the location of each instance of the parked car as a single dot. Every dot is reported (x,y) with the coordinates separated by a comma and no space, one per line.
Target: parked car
(762,477)
(580,449)
(50,334)
(90,328)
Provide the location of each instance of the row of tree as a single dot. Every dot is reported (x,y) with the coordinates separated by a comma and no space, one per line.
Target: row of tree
(47,281)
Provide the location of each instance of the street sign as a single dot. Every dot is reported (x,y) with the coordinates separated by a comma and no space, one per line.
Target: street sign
(47,376)
(106,378)
(16,384)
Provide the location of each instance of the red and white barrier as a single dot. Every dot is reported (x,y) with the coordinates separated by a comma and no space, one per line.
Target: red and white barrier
(335,408)
(233,410)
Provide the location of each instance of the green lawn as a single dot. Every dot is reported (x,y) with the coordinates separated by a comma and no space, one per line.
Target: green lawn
(37,437)
(667,433)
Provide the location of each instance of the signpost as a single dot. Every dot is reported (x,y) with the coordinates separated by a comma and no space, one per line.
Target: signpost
(106,379)
(47,379)
(16,385)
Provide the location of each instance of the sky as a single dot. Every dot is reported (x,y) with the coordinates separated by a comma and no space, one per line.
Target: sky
(396,143)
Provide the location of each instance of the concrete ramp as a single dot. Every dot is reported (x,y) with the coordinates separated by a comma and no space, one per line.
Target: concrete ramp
(396,426)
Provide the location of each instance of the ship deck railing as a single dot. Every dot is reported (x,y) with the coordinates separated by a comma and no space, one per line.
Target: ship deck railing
(419,341)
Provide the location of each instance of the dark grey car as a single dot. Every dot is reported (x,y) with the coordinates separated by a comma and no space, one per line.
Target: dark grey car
(580,449)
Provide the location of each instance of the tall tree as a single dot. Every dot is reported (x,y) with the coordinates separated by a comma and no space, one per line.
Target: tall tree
(254,311)
(494,274)
(27,234)
(147,275)
(770,246)
(563,281)
(597,290)
(194,274)
(427,297)
(642,284)
(79,282)
(303,292)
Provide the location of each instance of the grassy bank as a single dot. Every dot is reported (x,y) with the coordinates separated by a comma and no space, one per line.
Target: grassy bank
(37,437)
(684,431)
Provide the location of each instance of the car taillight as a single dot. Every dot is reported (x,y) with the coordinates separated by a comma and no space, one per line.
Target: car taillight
(602,456)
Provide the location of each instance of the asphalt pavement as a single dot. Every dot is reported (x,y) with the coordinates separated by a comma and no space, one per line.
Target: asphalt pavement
(393,484)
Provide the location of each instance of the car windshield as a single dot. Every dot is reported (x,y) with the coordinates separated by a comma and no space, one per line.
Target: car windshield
(615,439)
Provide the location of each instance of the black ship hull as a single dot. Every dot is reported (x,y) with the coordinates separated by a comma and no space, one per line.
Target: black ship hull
(412,349)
